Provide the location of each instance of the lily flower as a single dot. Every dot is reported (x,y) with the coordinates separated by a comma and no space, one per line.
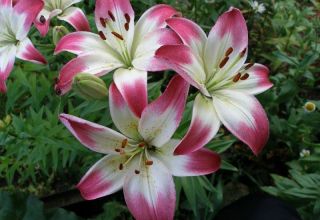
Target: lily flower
(119,45)
(141,159)
(64,10)
(15,23)
(216,66)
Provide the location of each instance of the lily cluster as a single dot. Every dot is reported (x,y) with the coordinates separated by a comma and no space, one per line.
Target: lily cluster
(141,157)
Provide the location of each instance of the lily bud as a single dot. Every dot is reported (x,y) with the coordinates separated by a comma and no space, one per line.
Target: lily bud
(58,32)
(89,87)
(7,119)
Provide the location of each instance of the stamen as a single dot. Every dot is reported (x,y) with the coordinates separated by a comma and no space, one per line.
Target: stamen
(245,76)
(229,51)
(127,17)
(243,52)
(111,16)
(124,143)
(102,36)
(117,150)
(42,19)
(103,22)
(248,66)
(136,171)
(120,166)
(142,144)
(148,162)
(223,62)
(117,35)
(126,26)
(58,92)
(236,77)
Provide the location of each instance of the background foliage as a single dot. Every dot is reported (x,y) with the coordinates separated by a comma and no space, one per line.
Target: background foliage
(38,156)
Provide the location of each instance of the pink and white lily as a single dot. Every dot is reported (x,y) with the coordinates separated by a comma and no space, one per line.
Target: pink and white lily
(15,23)
(119,45)
(64,11)
(216,66)
(141,159)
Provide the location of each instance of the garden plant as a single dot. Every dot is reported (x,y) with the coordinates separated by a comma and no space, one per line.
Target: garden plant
(147,109)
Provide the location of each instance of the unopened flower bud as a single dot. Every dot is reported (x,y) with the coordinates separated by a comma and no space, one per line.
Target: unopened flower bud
(309,107)
(58,32)
(7,119)
(305,153)
(2,125)
(89,87)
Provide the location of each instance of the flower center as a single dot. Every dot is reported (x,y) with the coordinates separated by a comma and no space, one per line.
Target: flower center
(141,150)
(110,22)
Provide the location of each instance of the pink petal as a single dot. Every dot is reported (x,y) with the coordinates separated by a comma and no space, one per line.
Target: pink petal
(257,82)
(204,126)
(153,19)
(76,18)
(97,64)
(5,3)
(181,59)
(161,118)
(122,116)
(150,194)
(103,178)
(116,20)
(30,9)
(227,38)
(144,57)
(132,84)
(200,162)
(243,115)
(191,34)
(95,137)
(7,57)
(82,42)
(26,51)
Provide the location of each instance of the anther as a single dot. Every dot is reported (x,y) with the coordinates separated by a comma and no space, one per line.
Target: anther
(236,77)
(58,91)
(149,162)
(242,53)
(111,16)
(248,66)
(120,166)
(117,35)
(223,62)
(117,150)
(126,26)
(142,144)
(229,51)
(136,171)
(42,19)
(102,36)
(127,17)
(124,143)
(103,22)
(245,76)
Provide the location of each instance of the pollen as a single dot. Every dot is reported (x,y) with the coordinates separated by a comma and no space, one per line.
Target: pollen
(248,66)
(223,62)
(126,26)
(117,150)
(243,52)
(124,143)
(245,76)
(42,19)
(149,162)
(236,77)
(119,36)
(120,166)
(142,144)
(103,22)
(127,16)
(136,171)
(111,16)
(102,36)
(229,51)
